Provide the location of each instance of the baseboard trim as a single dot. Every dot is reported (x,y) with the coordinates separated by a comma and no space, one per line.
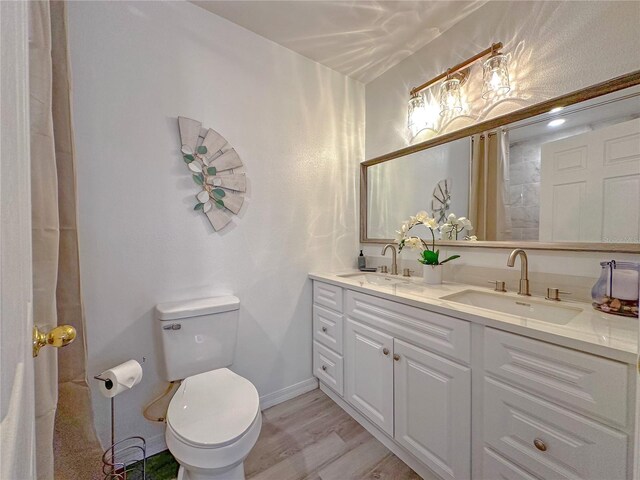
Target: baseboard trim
(156,444)
(287,393)
(404,455)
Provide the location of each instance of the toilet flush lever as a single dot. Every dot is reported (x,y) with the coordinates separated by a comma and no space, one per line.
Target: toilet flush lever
(173,326)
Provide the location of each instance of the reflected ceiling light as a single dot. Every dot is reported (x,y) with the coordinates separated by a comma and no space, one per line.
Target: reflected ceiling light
(556,123)
(495,74)
(556,109)
(450,101)
(496,82)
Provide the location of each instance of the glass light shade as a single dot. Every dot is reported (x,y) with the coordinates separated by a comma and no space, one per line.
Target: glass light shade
(495,75)
(450,101)
(419,116)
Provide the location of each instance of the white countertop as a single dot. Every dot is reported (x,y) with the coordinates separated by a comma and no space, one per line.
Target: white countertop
(590,331)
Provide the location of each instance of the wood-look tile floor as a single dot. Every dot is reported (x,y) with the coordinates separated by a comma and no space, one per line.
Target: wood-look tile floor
(311,438)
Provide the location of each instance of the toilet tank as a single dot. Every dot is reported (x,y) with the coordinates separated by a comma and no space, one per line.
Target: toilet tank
(197,335)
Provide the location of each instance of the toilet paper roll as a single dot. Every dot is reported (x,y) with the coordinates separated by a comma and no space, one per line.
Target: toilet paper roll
(122,377)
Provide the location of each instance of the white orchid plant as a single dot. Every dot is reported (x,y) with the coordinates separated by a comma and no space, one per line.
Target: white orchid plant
(450,230)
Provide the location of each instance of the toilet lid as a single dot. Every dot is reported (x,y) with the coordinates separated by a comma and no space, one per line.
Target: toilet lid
(213,409)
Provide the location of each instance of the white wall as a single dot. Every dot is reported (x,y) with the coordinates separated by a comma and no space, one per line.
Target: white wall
(555,48)
(297,126)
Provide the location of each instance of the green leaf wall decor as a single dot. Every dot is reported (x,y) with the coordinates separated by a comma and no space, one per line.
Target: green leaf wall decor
(213,165)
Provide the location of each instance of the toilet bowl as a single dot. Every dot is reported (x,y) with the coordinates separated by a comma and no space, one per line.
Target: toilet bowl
(213,422)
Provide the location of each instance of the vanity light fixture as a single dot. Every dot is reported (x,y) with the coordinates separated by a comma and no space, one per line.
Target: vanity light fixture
(495,74)
(450,101)
(418,115)
(495,82)
(556,123)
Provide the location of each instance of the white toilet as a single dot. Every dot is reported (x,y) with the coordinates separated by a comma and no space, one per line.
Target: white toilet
(214,419)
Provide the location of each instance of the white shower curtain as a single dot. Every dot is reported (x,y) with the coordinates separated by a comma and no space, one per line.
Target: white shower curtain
(45,228)
(489,209)
(56,283)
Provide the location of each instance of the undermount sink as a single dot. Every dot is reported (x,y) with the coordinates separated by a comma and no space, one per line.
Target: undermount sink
(375,278)
(543,310)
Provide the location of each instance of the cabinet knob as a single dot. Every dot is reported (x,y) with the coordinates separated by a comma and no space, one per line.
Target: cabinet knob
(396,357)
(324,367)
(385,351)
(324,329)
(540,445)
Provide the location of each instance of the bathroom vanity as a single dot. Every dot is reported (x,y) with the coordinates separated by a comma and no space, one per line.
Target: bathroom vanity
(470,383)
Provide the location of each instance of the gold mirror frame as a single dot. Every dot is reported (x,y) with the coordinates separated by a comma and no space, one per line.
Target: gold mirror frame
(610,86)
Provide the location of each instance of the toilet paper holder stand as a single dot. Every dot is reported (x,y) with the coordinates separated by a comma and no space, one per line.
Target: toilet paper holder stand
(130,451)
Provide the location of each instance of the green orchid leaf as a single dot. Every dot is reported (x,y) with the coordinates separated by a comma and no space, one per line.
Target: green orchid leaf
(198,178)
(429,258)
(211,170)
(201,149)
(219,192)
(188,158)
(452,257)
(199,206)
(219,202)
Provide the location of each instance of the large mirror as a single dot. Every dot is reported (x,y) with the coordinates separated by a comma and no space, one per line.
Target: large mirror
(564,174)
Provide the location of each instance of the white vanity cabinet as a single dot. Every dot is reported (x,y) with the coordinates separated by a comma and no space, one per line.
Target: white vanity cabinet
(369,373)
(405,370)
(539,410)
(433,409)
(555,412)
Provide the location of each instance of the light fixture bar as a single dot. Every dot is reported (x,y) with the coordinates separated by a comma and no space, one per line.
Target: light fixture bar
(493,48)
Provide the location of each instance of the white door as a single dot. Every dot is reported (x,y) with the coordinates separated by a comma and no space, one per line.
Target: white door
(433,409)
(369,373)
(590,186)
(17,430)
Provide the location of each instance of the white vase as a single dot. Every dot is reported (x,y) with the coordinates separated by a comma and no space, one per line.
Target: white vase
(432,274)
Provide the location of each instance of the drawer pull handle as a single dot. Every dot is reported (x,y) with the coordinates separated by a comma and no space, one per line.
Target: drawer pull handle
(324,367)
(324,329)
(396,357)
(385,351)
(540,445)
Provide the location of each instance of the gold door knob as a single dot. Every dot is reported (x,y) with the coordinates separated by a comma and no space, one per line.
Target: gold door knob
(385,351)
(60,336)
(540,445)
(396,357)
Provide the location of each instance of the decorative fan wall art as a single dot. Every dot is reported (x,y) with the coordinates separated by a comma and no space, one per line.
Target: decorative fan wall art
(441,201)
(213,164)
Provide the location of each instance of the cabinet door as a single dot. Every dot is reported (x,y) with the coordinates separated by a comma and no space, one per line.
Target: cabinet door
(433,409)
(369,373)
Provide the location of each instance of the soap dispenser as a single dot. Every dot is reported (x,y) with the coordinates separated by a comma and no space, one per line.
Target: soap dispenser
(362,261)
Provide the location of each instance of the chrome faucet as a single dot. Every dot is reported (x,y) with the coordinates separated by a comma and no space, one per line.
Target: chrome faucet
(394,257)
(524,270)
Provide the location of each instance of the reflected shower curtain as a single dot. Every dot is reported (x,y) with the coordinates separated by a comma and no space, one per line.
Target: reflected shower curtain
(56,286)
(489,209)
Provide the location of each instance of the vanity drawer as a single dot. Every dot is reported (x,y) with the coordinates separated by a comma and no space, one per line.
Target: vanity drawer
(495,466)
(327,328)
(593,384)
(437,333)
(327,366)
(568,445)
(327,295)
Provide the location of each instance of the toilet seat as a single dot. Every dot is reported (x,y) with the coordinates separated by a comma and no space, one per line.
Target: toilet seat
(213,409)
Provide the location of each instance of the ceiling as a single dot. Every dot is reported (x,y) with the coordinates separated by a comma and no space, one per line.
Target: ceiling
(595,113)
(359,38)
